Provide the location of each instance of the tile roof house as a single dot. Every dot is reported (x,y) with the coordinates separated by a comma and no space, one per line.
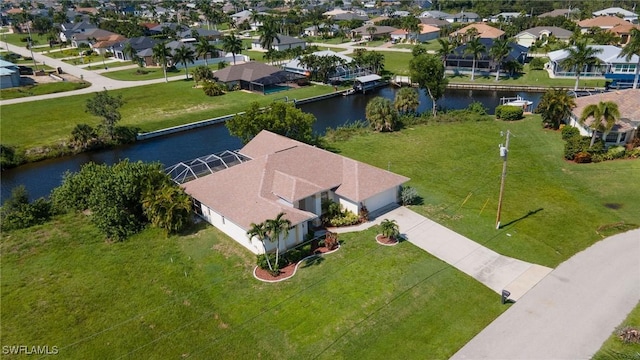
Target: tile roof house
(529,36)
(623,31)
(625,128)
(381,31)
(287,176)
(561,12)
(484,31)
(91,36)
(426,33)
(254,76)
(630,16)
(603,22)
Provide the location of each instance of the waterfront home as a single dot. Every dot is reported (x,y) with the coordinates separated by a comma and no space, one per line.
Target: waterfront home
(461,62)
(602,22)
(529,37)
(287,176)
(256,76)
(68,30)
(347,70)
(480,30)
(281,43)
(426,33)
(627,15)
(505,17)
(623,31)
(322,29)
(379,32)
(611,66)
(624,129)
(568,13)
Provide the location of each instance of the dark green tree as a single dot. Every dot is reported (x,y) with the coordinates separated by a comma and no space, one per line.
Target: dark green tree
(232,44)
(381,114)
(407,100)
(555,106)
(604,114)
(108,108)
(498,51)
(474,48)
(578,57)
(184,55)
(161,54)
(427,70)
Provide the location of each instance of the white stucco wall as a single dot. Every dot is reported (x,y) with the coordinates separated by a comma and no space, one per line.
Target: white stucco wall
(349,205)
(232,230)
(382,199)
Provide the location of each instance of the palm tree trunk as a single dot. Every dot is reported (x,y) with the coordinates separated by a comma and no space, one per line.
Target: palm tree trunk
(498,73)
(164,70)
(593,139)
(635,79)
(575,88)
(433,106)
(473,69)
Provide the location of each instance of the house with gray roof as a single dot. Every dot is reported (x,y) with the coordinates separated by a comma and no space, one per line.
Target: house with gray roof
(9,75)
(290,177)
(256,76)
(529,36)
(281,43)
(630,16)
(142,45)
(575,12)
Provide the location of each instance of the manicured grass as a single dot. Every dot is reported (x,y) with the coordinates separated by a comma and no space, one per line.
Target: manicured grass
(255,55)
(41,89)
(149,107)
(194,296)
(551,209)
(397,62)
(335,40)
(614,347)
(528,78)
(116,64)
(150,73)
(429,45)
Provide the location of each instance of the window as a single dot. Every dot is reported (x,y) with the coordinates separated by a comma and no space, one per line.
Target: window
(623,136)
(612,137)
(624,68)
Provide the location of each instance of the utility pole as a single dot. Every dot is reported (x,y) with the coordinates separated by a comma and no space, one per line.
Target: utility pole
(504,152)
(30,43)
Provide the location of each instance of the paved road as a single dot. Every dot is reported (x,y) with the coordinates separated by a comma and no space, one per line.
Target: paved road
(98,81)
(497,272)
(572,311)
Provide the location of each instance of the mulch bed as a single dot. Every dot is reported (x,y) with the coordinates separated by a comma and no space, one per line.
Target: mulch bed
(383,240)
(285,272)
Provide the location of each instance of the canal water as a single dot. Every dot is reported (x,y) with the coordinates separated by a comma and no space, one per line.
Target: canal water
(41,177)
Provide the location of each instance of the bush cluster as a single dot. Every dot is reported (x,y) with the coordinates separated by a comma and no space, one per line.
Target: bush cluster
(18,213)
(211,88)
(509,113)
(408,195)
(334,215)
(537,63)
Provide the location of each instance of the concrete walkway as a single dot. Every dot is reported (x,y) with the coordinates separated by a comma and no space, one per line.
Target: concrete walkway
(496,271)
(571,312)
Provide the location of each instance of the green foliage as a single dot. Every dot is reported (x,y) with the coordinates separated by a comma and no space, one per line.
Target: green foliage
(569,132)
(202,73)
(213,88)
(614,152)
(344,132)
(537,63)
(407,100)
(18,213)
(10,157)
(428,71)
(476,107)
(578,148)
(108,108)
(334,215)
(555,107)
(509,113)
(280,118)
(389,228)
(115,195)
(408,195)
(381,114)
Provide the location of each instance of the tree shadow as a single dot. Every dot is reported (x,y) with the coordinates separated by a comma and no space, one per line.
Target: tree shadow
(311,261)
(531,212)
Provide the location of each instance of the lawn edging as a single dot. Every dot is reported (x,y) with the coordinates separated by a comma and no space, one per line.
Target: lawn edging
(295,268)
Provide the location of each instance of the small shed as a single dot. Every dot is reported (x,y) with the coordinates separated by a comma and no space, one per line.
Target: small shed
(367,82)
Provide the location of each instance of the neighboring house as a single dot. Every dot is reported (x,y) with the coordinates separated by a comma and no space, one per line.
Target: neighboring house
(602,22)
(460,61)
(281,43)
(68,30)
(92,36)
(349,16)
(426,33)
(9,75)
(380,32)
(623,31)
(188,35)
(434,22)
(630,16)
(105,44)
(561,12)
(160,28)
(530,36)
(461,17)
(322,29)
(612,66)
(336,11)
(484,31)
(255,76)
(505,17)
(624,129)
(434,14)
(287,176)
(142,45)
(348,71)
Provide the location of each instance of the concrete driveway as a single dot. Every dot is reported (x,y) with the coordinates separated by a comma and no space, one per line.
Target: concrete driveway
(571,312)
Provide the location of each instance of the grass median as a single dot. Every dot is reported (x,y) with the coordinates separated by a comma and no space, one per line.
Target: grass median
(150,107)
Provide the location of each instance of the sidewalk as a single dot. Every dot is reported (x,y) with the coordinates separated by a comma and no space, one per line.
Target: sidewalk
(571,312)
(496,271)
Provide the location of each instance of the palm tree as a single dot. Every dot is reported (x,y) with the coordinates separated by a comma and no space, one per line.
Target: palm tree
(381,114)
(633,48)
(580,56)
(407,100)
(411,25)
(371,30)
(555,106)
(260,231)
(276,227)
(161,54)
(376,60)
(604,114)
(268,33)
(474,48)
(498,51)
(167,207)
(204,48)
(131,53)
(446,48)
(232,44)
(389,229)
(184,55)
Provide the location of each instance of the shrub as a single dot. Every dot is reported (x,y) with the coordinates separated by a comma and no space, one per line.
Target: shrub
(582,157)
(10,157)
(345,219)
(211,88)
(614,152)
(18,213)
(476,107)
(569,132)
(537,63)
(331,240)
(575,145)
(509,113)
(293,256)
(408,195)
(363,214)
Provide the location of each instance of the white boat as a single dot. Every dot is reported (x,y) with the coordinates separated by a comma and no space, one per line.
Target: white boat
(517,101)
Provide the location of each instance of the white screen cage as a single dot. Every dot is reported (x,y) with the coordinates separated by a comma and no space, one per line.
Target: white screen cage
(186,171)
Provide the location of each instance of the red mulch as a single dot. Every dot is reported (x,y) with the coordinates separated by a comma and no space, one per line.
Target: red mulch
(386,240)
(286,272)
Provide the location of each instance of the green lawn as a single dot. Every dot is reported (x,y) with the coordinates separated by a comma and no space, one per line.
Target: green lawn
(40,89)
(150,107)
(614,347)
(552,208)
(150,73)
(194,296)
(429,45)
(335,40)
(397,62)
